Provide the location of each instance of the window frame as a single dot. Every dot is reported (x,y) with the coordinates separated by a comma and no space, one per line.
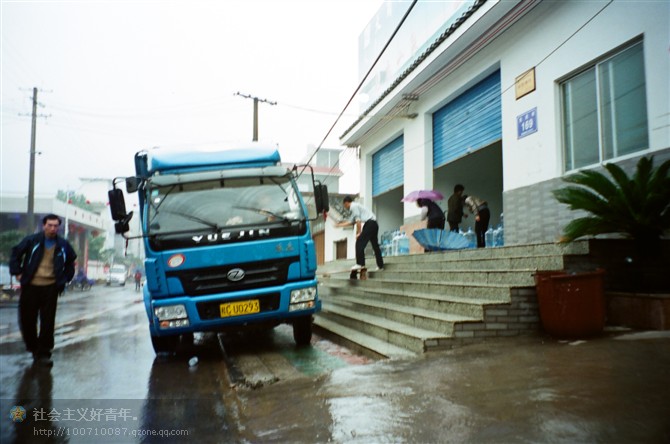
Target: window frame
(595,66)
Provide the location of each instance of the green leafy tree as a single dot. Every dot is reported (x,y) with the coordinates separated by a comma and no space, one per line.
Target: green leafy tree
(637,207)
(78,200)
(9,239)
(107,255)
(95,247)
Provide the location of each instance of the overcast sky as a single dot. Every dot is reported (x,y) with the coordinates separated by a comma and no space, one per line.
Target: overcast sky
(119,76)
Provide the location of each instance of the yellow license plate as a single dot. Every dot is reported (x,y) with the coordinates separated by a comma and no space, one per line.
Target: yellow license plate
(240,308)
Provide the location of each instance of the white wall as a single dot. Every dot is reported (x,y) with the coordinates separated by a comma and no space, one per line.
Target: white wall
(538,157)
(542,39)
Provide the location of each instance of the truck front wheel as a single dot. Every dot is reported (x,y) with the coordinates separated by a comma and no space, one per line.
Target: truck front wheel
(165,344)
(302,330)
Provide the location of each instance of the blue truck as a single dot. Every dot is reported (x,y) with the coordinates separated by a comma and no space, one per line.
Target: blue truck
(227,241)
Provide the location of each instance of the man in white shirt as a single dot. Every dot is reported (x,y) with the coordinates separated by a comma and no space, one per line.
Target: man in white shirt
(367,230)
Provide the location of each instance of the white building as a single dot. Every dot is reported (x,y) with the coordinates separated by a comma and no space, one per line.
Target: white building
(507,98)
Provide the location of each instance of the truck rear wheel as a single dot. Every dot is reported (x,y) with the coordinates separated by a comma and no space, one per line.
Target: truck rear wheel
(165,344)
(302,330)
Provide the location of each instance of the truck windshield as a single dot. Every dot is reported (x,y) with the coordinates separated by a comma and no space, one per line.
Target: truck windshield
(222,204)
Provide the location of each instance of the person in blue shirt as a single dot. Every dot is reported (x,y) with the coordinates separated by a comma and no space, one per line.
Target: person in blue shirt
(367,230)
(43,263)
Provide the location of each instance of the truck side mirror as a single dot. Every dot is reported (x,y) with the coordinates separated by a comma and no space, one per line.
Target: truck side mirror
(321,198)
(132,184)
(117,204)
(123,225)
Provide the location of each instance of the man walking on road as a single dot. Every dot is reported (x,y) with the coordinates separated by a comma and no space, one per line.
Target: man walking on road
(367,230)
(43,263)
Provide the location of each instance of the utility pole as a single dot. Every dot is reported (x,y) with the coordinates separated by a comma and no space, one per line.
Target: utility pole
(256,100)
(31,180)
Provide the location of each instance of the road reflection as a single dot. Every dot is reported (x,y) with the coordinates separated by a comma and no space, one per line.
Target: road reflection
(187,401)
(34,394)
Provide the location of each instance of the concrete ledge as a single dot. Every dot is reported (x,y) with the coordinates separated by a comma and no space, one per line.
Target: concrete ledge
(638,310)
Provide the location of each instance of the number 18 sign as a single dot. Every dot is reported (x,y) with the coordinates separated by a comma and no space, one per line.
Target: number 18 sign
(526,123)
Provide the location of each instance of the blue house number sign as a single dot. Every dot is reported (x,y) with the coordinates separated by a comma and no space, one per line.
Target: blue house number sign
(526,123)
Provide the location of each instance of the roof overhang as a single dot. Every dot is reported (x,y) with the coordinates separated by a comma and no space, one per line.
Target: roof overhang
(478,27)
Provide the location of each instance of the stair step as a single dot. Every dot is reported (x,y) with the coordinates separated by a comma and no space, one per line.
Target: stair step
(443,303)
(415,311)
(408,315)
(501,264)
(368,342)
(413,338)
(496,292)
(430,301)
(517,278)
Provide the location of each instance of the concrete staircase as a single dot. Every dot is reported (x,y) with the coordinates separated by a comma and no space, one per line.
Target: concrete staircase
(438,300)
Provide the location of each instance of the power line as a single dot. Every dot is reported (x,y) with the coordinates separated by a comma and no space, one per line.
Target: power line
(365,77)
(561,44)
(360,85)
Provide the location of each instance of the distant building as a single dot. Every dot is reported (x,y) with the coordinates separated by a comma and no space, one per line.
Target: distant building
(507,98)
(78,224)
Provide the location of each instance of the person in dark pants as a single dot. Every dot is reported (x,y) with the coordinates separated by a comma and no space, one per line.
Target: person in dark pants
(434,213)
(482,214)
(44,264)
(455,208)
(138,280)
(367,230)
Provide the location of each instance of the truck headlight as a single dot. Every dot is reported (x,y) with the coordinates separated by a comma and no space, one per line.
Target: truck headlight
(303,295)
(170,312)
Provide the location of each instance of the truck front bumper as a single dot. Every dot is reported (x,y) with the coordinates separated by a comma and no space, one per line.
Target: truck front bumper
(271,305)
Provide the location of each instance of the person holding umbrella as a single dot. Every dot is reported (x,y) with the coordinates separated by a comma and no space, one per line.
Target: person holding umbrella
(431,211)
(425,199)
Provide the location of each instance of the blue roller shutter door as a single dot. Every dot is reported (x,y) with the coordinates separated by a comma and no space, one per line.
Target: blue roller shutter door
(387,167)
(471,121)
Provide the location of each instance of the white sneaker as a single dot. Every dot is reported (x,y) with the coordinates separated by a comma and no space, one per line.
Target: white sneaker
(357,267)
(379,269)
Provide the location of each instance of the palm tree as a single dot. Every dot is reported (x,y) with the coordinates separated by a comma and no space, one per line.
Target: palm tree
(637,207)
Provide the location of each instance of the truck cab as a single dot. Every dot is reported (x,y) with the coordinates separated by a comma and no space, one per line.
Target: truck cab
(227,242)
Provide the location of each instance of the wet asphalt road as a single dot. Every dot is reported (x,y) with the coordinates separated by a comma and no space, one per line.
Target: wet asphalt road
(108,386)
(611,389)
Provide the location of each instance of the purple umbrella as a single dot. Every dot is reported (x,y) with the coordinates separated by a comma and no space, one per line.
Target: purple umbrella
(422,194)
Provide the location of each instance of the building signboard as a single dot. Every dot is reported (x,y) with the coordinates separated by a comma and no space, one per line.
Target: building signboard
(526,123)
(525,83)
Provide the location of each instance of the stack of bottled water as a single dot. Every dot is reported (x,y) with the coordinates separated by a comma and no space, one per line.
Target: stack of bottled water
(495,237)
(400,243)
(403,244)
(499,233)
(470,236)
(387,243)
(488,238)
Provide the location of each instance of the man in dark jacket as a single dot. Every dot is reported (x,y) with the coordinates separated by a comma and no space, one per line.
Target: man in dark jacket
(455,208)
(43,263)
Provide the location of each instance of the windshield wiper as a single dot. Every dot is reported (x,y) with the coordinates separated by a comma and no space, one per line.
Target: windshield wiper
(266,213)
(194,218)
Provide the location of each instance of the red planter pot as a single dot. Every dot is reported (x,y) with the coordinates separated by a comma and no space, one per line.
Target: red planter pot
(571,305)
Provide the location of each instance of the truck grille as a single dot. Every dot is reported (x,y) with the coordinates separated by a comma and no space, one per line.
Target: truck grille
(211,310)
(204,281)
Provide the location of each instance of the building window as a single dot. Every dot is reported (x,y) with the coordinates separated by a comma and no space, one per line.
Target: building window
(605,110)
